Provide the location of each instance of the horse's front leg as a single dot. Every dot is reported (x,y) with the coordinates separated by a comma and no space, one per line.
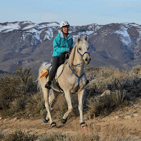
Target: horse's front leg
(70,108)
(80,107)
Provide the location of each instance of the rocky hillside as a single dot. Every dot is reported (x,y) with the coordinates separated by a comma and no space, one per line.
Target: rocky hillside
(28,44)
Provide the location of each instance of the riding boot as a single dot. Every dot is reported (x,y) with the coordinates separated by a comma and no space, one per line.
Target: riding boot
(47,85)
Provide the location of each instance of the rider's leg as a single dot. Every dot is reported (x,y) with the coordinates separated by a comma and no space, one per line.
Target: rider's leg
(55,64)
(62,59)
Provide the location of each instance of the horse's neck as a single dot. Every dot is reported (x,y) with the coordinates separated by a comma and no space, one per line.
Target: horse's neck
(77,64)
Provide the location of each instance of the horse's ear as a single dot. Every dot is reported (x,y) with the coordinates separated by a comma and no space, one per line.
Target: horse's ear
(86,38)
(78,40)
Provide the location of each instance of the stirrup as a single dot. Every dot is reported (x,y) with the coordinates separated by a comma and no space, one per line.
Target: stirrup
(47,85)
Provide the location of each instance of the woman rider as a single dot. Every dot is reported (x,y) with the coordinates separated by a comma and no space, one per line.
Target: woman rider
(62,44)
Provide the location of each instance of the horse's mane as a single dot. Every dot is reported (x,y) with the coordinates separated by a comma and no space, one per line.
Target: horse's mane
(71,58)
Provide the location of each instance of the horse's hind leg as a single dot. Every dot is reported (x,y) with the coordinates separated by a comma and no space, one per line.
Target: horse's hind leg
(52,97)
(70,108)
(46,98)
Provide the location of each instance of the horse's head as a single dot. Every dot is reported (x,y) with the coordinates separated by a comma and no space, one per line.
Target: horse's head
(83,50)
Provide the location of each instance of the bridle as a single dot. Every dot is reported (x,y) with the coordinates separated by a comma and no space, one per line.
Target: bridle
(79,77)
(79,64)
(83,53)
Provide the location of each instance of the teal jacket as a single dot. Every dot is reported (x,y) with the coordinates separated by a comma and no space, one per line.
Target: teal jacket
(62,44)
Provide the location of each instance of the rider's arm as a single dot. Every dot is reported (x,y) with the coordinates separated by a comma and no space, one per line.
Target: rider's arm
(71,44)
(57,47)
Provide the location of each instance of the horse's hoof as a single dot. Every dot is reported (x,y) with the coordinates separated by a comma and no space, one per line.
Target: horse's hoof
(53,124)
(45,121)
(83,125)
(64,120)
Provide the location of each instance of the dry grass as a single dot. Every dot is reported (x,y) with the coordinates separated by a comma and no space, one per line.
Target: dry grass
(16,91)
(122,85)
(108,90)
(19,93)
(18,136)
(93,133)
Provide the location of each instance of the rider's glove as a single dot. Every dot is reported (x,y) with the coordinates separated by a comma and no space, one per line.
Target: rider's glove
(67,49)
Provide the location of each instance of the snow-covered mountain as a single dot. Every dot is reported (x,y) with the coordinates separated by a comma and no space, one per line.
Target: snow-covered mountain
(29,44)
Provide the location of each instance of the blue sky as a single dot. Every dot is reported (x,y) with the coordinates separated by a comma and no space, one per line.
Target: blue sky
(76,12)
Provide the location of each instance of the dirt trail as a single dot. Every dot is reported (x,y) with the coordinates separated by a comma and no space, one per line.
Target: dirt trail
(125,122)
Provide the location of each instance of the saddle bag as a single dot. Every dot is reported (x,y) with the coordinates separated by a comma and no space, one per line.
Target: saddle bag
(45,71)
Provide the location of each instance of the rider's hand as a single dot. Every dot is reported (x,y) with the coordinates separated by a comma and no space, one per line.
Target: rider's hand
(67,49)
(65,52)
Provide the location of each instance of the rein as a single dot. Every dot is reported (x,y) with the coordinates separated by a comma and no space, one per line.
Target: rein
(76,76)
(75,73)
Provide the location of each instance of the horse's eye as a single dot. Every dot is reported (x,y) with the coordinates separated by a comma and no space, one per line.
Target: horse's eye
(79,48)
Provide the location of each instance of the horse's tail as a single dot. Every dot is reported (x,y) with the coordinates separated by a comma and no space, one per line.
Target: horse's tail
(44,65)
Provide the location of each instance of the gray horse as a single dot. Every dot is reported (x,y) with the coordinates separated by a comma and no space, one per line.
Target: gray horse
(71,78)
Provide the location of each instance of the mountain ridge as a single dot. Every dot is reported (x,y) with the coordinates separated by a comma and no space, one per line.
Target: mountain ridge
(28,44)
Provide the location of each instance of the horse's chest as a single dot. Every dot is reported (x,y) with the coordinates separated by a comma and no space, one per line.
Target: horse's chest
(78,84)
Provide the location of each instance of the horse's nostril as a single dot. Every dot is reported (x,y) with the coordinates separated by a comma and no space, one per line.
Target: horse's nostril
(88,60)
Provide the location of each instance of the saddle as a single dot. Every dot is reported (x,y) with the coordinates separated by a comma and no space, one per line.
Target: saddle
(45,72)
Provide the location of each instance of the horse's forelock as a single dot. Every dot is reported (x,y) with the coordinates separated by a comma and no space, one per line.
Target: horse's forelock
(78,43)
